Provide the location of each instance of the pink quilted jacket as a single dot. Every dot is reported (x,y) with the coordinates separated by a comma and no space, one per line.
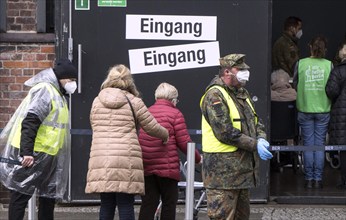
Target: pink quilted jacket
(159,159)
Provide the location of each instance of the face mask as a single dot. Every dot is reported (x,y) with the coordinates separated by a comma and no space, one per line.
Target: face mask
(243,76)
(299,34)
(70,87)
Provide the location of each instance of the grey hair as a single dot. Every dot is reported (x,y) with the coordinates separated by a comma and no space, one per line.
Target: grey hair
(166,91)
(119,76)
(280,76)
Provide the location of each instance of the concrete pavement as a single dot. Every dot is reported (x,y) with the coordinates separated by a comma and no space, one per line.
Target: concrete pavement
(258,211)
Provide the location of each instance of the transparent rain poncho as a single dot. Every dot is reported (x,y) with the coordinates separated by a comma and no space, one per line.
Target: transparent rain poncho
(49,174)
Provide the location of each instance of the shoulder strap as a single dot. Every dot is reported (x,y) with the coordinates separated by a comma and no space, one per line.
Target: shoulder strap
(133,113)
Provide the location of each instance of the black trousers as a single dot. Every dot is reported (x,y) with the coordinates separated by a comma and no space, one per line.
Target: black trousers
(124,202)
(156,187)
(19,201)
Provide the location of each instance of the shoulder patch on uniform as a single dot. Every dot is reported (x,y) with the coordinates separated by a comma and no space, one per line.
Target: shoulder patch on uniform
(217,106)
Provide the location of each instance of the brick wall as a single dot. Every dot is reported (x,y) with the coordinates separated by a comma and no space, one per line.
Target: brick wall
(19,61)
(21,15)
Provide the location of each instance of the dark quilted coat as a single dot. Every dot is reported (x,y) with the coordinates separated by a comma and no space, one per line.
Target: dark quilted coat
(336,91)
(159,159)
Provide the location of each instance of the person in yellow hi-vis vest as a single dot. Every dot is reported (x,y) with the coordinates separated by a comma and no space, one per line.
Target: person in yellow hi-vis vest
(37,135)
(233,139)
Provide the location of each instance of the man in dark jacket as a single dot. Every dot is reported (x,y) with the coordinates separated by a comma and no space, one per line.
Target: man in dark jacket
(285,51)
(336,91)
(232,138)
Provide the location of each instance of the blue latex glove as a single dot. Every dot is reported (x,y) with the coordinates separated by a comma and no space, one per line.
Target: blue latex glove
(264,142)
(262,149)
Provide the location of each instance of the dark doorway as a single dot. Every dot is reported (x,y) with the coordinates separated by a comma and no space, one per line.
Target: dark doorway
(319,17)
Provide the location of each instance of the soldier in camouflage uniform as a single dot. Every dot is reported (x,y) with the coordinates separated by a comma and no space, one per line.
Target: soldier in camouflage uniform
(230,151)
(285,51)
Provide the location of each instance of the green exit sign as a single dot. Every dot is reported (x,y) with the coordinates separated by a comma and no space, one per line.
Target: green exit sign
(82,5)
(111,3)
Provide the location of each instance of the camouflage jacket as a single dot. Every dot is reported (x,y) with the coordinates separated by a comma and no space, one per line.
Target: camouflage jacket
(285,53)
(231,170)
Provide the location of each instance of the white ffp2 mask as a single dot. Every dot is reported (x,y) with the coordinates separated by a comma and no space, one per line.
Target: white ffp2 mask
(70,87)
(299,34)
(243,76)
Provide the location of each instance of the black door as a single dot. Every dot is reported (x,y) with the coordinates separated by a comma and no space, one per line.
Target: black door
(109,35)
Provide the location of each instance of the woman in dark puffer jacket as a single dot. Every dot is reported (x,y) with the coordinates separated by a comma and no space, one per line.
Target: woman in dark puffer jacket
(336,91)
(161,162)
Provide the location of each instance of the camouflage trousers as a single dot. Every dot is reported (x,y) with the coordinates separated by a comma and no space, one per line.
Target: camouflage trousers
(231,204)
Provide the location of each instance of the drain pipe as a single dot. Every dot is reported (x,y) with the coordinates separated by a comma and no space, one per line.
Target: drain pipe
(70,39)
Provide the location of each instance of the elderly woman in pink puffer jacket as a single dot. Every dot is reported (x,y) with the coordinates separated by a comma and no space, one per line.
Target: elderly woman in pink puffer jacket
(161,162)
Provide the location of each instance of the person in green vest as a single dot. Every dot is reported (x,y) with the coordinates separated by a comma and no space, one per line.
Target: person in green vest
(310,78)
(233,140)
(37,135)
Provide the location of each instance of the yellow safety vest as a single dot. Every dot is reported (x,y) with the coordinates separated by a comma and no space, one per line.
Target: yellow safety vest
(210,143)
(53,130)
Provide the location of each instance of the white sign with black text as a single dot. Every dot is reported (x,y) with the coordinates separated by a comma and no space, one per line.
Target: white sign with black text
(171,27)
(176,57)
